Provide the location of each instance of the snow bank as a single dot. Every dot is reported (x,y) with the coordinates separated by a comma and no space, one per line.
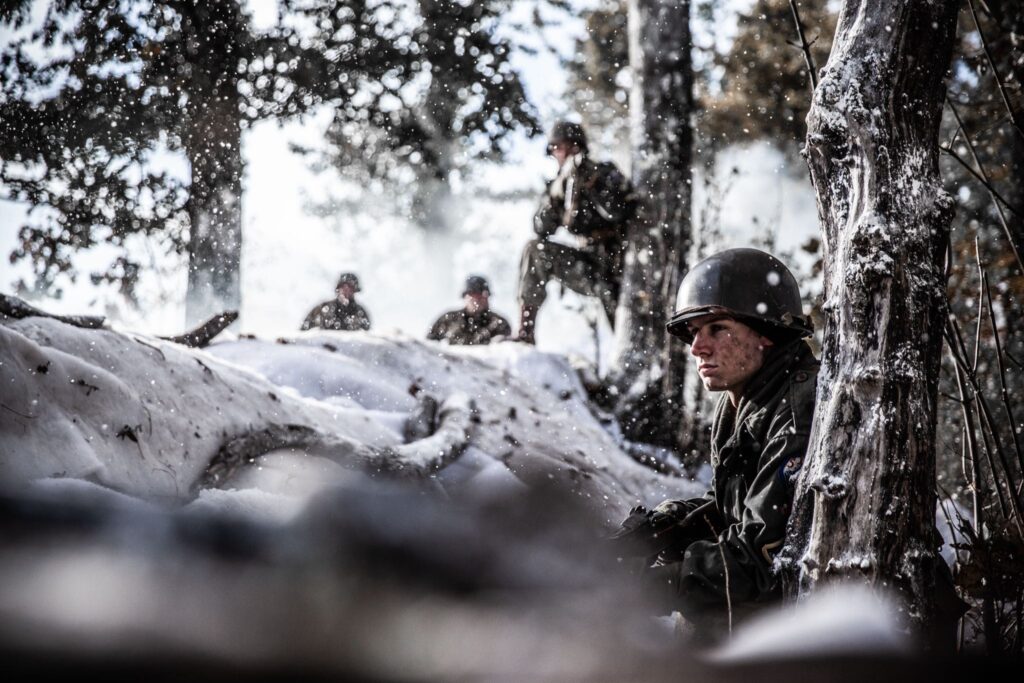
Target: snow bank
(834,621)
(532,423)
(150,419)
(138,415)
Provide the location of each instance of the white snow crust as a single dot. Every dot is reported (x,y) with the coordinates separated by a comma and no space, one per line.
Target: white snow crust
(837,620)
(144,418)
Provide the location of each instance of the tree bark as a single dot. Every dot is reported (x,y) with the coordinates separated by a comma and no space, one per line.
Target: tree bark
(865,505)
(214,149)
(649,363)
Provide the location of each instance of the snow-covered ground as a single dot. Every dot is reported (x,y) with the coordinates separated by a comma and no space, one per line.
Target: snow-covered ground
(385,540)
(146,418)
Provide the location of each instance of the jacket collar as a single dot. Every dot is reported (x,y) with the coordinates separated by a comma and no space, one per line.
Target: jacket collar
(760,390)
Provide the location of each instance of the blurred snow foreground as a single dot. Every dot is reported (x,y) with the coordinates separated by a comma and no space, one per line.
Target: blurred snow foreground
(333,505)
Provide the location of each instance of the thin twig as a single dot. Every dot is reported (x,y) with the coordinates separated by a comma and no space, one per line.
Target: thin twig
(981,316)
(989,431)
(970,444)
(995,73)
(804,46)
(1003,393)
(983,177)
(954,136)
(1005,202)
(958,351)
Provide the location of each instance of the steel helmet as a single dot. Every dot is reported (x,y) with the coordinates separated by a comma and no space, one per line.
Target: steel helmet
(570,132)
(348,278)
(476,284)
(747,284)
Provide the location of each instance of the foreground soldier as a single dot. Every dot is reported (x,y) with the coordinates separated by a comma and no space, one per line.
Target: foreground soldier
(740,312)
(475,323)
(342,312)
(594,201)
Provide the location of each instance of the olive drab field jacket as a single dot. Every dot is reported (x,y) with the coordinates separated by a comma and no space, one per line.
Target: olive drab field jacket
(593,200)
(459,327)
(334,315)
(757,451)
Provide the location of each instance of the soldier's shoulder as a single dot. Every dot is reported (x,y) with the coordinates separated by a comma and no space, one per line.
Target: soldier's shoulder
(608,169)
(609,178)
(606,166)
(803,390)
(449,318)
(322,306)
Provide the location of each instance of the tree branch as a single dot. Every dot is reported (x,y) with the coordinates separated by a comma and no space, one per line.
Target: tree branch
(995,73)
(201,336)
(970,454)
(958,352)
(804,46)
(13,307)
(1004,393)
(983,178)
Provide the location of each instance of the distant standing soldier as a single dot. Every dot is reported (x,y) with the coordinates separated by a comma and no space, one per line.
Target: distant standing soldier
(475,322)
(342,312)
(592,200)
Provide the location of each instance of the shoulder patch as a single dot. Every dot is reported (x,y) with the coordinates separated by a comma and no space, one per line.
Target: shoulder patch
(791,468)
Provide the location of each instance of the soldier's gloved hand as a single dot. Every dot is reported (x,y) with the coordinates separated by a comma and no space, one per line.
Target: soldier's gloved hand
(655,532)
(675,529)
(635,521)
(669,513)
(646,532)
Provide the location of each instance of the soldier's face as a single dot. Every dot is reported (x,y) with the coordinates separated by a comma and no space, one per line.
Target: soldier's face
(475,302)
(728,353)
(562,151)
(345,292)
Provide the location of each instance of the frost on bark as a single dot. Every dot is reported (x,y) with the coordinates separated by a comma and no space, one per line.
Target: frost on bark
(213,145)
(866,501)
(660,102)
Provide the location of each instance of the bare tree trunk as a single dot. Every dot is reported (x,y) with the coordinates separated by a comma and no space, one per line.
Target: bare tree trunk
(865,506)
(432,202)
(661,102)
(214,149)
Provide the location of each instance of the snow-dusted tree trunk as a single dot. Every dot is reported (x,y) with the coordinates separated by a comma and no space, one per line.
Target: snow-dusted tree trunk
(866,501)
(660,103)
(214,150)
(432,194)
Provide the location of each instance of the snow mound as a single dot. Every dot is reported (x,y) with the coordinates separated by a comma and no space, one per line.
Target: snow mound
(835,621)
(159,422)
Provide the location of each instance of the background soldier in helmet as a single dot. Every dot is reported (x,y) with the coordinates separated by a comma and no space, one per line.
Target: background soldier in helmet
(594,201)
(342,312)
(740,312)
(475,322)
